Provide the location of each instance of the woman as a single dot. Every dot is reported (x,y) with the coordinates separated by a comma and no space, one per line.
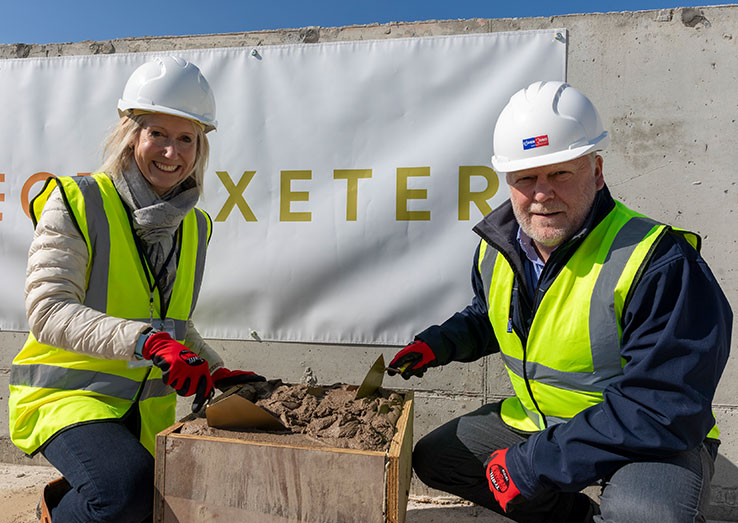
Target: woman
(113,275)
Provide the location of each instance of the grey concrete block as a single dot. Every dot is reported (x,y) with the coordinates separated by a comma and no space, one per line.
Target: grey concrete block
(9,453)
(497,379)
(328,364)
(724,495)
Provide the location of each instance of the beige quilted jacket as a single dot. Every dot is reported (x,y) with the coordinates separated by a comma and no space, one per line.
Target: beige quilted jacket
(55,290)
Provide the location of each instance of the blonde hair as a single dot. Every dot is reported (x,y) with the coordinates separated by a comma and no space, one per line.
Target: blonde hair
(118,149)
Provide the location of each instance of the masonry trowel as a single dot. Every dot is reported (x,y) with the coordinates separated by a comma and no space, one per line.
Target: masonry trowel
(234,412)
(373,379)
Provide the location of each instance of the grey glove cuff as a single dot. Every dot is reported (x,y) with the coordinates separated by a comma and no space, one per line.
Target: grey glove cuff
(138,351)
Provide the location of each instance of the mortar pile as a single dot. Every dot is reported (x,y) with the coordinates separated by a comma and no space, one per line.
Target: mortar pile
(328,415)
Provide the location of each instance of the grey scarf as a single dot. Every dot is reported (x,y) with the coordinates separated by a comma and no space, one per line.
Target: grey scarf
(156,219)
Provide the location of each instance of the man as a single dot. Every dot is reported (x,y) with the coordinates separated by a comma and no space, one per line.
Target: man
(611,326)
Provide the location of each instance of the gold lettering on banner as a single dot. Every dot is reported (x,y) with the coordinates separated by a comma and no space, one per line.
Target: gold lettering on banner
(404,194)
(352,177)
(235,196)
(287,196)
(467,197)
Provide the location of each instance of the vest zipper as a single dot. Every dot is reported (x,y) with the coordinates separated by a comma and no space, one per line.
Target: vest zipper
(524,342)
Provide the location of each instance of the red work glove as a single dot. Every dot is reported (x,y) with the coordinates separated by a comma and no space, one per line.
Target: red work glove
(183,370)
(225,379)
(413,360)
(500,482)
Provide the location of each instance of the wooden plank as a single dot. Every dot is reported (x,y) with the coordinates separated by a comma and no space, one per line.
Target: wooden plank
(193,511)
(261,443)
(284,483)
(399,468)
(160,469)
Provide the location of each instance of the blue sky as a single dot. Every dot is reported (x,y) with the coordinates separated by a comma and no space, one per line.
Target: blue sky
(47,21)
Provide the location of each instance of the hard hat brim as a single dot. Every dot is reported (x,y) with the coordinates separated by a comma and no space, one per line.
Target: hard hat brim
(126,109)
(502,165)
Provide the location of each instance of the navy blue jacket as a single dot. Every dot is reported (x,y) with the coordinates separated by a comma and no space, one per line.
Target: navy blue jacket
(676,339)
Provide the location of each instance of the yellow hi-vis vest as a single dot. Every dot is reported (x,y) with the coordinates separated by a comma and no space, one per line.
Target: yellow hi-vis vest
(51,388)
(572,351)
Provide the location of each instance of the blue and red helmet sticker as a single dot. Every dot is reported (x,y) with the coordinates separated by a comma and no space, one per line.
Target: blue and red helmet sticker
(537,141)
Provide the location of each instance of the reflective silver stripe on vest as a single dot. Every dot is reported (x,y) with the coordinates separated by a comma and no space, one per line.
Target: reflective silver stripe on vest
(98,230)
(486,268)
(550,420)
(574,381)
(603,323)
(536,418)
(202,241)
(155,388)
(532,414)
(53,377)
(553,420)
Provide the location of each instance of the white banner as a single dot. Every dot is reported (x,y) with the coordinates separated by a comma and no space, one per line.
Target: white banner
(344,178)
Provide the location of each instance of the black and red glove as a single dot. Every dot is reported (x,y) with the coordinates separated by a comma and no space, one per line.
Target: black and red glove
(413,360)
(182,369)
(500,482)
(225,379)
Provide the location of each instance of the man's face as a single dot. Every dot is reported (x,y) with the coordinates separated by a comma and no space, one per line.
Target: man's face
(551,202)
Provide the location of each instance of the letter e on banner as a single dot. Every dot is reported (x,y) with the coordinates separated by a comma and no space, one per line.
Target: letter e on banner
(404,194)
(287,195)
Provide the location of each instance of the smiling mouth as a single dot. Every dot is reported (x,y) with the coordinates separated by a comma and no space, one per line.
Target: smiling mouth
(166,168)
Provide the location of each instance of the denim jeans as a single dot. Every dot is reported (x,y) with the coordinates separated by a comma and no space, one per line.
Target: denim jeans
(110,472)
(451,458)
(671,490)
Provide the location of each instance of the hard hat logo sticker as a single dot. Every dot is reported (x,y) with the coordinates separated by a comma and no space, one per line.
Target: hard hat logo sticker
(532,143)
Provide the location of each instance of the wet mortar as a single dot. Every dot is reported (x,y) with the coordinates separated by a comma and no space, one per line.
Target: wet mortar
(316,416)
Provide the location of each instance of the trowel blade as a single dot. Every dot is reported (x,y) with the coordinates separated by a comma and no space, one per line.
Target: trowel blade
(236,412)
(373,379)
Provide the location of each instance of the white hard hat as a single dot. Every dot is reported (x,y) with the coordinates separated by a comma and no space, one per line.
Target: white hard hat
(170,85)
(543,124)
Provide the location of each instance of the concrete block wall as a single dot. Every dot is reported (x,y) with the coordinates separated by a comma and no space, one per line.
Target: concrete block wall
(665,84)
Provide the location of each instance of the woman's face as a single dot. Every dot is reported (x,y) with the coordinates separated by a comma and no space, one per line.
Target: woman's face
(165,150)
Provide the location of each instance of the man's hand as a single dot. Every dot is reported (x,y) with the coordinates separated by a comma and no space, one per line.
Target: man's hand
(500,482)
(182,369)
(225,379)
(413,360)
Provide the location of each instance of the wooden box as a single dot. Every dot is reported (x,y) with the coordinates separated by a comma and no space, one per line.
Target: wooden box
(206,479)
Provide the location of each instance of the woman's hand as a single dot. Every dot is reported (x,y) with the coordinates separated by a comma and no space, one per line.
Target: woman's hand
(182,369)
(224,378)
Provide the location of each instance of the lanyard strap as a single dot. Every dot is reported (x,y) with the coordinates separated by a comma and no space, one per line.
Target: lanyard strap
(146,264)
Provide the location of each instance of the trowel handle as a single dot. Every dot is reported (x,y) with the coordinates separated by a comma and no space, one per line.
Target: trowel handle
(199,403)
(399,369)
